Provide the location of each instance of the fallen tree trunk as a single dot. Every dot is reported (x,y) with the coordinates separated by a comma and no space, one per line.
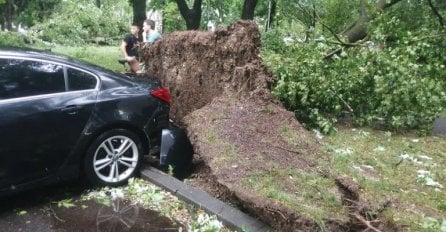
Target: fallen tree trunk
(358,30)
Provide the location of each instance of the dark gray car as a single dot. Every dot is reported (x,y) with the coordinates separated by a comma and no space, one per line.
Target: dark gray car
(61,118)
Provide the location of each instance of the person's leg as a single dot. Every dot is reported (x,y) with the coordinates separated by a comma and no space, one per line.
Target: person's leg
(134,65)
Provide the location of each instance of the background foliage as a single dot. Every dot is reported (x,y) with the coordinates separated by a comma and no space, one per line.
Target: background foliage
(11,39)
(396,79)
(73,22)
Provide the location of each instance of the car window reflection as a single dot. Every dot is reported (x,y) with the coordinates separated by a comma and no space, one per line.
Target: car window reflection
(79,80)
(22,78)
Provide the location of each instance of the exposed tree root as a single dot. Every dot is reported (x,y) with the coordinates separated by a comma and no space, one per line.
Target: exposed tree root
(367,223)
(363,217)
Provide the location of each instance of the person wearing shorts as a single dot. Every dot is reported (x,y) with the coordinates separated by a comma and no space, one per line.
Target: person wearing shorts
(129,47)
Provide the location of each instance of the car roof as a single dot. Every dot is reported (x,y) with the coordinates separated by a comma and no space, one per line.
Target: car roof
(46,54)
(40,54)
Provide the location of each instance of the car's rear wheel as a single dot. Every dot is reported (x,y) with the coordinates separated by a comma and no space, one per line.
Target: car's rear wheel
(113,158)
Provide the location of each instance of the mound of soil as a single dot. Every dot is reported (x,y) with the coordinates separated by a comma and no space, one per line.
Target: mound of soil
(221,94)
(199,66)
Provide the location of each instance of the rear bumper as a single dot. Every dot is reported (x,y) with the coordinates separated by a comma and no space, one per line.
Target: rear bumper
(176,149)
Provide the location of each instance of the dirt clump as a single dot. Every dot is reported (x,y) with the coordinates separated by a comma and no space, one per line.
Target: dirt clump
(222,94)
(199,66)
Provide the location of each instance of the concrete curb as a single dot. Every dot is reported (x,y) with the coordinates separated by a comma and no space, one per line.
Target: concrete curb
(230,217)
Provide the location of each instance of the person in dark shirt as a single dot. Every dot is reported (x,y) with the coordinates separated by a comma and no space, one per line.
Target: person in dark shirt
(129,47)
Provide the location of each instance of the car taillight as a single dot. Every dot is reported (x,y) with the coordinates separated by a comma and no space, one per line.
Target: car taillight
(162,94)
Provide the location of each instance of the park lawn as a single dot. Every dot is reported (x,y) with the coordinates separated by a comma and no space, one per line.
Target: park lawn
(402,175)
(404,169)
(104,56)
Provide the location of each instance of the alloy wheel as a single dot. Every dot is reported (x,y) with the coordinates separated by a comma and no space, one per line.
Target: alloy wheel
(115,159)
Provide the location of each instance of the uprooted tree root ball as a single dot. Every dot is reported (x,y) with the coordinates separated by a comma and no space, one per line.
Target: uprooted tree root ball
(221,92)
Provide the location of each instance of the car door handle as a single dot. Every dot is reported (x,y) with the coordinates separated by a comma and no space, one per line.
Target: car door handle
(71,109)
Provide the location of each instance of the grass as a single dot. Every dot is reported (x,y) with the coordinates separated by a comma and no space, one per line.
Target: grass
(307,193)
(226,153)
(104,56)
(405,169)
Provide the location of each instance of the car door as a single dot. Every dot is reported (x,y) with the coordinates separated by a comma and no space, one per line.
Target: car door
(41,117)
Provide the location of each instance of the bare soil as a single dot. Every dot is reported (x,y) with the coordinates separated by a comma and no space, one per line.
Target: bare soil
(222,94)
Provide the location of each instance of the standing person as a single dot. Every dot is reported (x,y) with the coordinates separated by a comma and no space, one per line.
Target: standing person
(129,47)
(149,34)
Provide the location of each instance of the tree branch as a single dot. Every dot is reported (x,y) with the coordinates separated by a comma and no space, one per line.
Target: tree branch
(337,50)
(54,214)
(440,18)
(197,5)
(358,30)
(346,44)
(349,108)
(182,6)
(191,16)
(427,37)
(288,15)
(383,4)
(323,24)
(358,43)
(336,35)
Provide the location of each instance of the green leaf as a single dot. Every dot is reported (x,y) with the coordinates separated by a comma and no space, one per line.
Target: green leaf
(22,212)
(67,203)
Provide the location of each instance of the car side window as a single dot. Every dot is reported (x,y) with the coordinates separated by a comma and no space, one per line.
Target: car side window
(79,80)
(23,78)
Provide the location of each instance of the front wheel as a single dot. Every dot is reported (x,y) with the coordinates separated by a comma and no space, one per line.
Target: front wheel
(113,158)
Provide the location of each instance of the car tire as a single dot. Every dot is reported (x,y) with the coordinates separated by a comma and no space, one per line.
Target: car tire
(113,158)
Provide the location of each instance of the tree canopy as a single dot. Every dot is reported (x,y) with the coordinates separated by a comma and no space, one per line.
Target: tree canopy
(380,65)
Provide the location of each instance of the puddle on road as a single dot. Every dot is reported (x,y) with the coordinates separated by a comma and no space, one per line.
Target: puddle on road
(88,216)
(43,210)
(118,216)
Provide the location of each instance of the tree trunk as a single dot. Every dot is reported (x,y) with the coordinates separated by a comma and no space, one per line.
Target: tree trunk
(437,13)
(2,20)
(358,30)
(271,13)
(139,11)
(248,9)
(2,16)
(98,3)
(9,14)
(191,16)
